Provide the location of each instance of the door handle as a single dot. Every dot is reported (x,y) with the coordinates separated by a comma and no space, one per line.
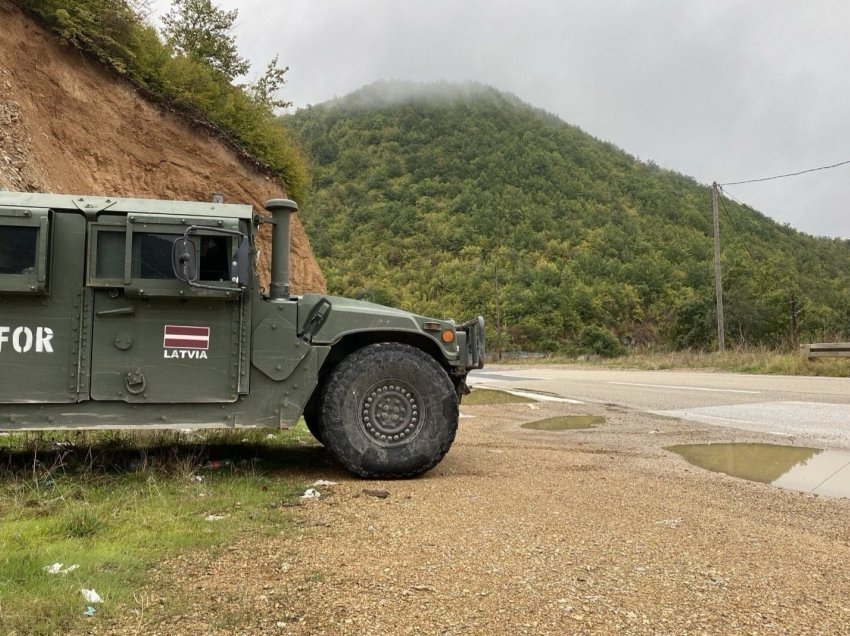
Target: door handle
(123,311)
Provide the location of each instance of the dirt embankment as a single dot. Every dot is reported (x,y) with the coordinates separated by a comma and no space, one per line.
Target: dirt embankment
(68,124)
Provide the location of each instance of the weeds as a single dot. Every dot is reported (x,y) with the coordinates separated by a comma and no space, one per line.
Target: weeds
(480,397)
(745,360)
(81,523)
(116,504)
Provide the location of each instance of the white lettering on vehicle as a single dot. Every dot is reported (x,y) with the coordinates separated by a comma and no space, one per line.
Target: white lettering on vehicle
(184,354)
(24,340)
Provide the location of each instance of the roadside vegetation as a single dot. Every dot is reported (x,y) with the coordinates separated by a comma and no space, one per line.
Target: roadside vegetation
(111,506)
(743,360)
(193,66)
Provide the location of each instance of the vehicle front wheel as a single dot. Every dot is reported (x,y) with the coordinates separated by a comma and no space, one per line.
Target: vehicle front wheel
(311,419)
(388,410)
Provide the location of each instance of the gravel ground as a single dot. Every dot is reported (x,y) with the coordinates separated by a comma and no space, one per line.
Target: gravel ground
(528,532)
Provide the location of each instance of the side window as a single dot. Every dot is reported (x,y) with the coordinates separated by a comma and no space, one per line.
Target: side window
(151,258)
(109,254)
(214,257)
(18,250)
(23,250)
(146,262)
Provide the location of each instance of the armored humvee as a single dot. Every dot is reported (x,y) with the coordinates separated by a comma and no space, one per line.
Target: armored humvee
(134,313)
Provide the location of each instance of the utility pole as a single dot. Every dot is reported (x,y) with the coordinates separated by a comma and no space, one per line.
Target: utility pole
(794,335)
(498,310)
(718,282)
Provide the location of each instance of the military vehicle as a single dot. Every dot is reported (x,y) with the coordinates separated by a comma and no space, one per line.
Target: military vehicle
(136,313)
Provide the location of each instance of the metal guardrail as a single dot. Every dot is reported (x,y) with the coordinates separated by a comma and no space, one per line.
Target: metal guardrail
(826,350)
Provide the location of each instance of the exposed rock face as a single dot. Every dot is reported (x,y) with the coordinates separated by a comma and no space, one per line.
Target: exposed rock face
(68,124)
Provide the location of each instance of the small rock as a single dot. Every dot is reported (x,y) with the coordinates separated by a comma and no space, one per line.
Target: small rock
(378,494)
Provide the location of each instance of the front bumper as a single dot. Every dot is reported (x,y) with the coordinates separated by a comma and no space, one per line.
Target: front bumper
(472,333)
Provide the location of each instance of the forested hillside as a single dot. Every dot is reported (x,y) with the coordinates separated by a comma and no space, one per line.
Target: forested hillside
(454,200)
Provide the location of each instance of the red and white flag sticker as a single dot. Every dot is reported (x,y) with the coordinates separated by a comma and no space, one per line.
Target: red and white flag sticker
(184,337)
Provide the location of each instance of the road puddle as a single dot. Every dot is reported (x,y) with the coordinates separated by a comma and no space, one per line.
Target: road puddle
(822,472)
(566,423)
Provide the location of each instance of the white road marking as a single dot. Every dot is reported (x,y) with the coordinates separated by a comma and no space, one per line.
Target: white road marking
(542,397)
(534,395)
(685,388)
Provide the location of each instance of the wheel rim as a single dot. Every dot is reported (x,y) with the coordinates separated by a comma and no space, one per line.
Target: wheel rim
(391,413)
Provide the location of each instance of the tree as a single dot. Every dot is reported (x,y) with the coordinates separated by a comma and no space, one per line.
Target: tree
(263,91)
(198,29)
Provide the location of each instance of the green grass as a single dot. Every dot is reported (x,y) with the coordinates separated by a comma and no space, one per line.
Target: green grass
(480,397)
(118,504)
(754,360)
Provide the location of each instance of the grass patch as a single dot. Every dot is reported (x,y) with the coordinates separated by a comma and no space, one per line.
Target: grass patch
(480,397)
(117,504)
(754,360)
(566,423)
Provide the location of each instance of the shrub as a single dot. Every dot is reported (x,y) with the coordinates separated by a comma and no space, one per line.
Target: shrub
(599,341)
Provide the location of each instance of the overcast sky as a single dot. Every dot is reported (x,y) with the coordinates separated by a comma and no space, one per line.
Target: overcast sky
(725,90)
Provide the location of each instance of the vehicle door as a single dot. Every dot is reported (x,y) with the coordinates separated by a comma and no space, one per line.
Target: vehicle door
(155,339)
(42,303)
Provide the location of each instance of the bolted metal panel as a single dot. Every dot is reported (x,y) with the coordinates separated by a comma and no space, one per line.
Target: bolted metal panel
(40,336)
(180,350)
(277,350)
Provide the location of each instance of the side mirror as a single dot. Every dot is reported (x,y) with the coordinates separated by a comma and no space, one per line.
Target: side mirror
(184,260)
(240,266)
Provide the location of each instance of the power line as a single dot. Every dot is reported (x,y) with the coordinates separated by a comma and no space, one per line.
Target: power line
(790,174)
(738,233)
(729,194)
(830,266)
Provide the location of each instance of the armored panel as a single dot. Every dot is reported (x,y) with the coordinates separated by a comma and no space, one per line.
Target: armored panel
(164,350)
(276,348)
(42,334)
(155,338)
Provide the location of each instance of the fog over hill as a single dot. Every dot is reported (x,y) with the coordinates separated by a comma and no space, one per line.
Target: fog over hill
(724,91)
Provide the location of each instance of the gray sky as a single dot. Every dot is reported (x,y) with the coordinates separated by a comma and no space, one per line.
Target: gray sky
(722,90)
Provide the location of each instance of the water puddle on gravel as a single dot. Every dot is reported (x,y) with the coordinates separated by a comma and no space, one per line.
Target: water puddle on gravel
(565,423)
(823,472)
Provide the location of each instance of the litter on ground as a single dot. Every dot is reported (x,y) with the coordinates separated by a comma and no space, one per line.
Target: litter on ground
(57,568)
(91,596)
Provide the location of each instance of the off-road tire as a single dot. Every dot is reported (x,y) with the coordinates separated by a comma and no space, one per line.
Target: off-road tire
(311,419)
(314,427)
(388,411)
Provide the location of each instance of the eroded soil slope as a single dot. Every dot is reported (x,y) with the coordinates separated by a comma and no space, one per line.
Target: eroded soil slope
(67,124)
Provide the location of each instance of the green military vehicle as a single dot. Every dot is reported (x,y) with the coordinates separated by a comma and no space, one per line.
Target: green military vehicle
(134,313)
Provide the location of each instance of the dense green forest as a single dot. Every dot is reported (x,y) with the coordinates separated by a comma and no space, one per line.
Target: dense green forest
(454,200)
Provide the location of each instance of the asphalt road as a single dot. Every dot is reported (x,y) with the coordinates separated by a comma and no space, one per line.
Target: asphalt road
(816,409)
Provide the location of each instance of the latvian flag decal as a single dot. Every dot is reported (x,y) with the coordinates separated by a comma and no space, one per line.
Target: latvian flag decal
(182,337)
